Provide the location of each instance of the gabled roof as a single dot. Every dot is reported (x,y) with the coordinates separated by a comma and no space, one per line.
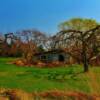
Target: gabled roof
(55,51)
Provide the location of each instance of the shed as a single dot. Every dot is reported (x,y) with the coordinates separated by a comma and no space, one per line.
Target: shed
(53,55)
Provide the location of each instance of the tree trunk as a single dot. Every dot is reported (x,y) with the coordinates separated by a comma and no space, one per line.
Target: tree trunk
(84,57)
(85,64)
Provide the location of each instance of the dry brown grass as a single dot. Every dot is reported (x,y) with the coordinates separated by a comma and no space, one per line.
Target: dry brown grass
(8,94)
(40,64)
(93,83)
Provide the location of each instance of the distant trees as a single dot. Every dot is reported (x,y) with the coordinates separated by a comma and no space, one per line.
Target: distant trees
(1,41)
(8,45)
(23,43)
(80,37)
(30,42)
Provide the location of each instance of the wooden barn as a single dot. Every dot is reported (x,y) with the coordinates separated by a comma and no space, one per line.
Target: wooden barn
(53,55)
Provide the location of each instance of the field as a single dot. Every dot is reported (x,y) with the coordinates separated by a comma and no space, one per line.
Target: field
(69,78)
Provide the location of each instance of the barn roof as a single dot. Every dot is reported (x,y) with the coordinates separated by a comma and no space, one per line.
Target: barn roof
(55,51)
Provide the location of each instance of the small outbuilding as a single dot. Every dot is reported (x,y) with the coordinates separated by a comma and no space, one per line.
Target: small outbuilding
(53,55)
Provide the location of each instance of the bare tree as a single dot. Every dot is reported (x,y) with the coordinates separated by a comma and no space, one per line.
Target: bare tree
(81,42)
(31,40)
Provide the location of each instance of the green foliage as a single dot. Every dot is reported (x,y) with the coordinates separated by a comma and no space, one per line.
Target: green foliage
(36,79)
(79,24)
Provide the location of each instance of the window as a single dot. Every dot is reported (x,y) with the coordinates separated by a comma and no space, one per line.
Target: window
(43,57)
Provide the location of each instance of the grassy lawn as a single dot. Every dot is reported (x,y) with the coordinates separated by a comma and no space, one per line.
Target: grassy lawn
(35,79)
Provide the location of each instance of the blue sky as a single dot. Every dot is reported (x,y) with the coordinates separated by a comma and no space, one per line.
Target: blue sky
(44,15)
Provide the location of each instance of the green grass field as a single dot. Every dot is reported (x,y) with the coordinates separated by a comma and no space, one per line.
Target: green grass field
(69,78)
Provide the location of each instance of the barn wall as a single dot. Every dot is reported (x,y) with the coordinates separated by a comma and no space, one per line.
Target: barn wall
(53,57)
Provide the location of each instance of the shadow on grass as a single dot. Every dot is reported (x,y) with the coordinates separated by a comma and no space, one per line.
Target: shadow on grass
(54,75)
(74,75)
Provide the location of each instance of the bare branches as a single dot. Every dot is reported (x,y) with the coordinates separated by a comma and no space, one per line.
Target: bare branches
(80,44)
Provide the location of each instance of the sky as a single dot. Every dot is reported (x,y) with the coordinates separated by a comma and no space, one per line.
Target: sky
(44,15)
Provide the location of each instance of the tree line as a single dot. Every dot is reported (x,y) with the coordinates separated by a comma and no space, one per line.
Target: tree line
(79,37)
